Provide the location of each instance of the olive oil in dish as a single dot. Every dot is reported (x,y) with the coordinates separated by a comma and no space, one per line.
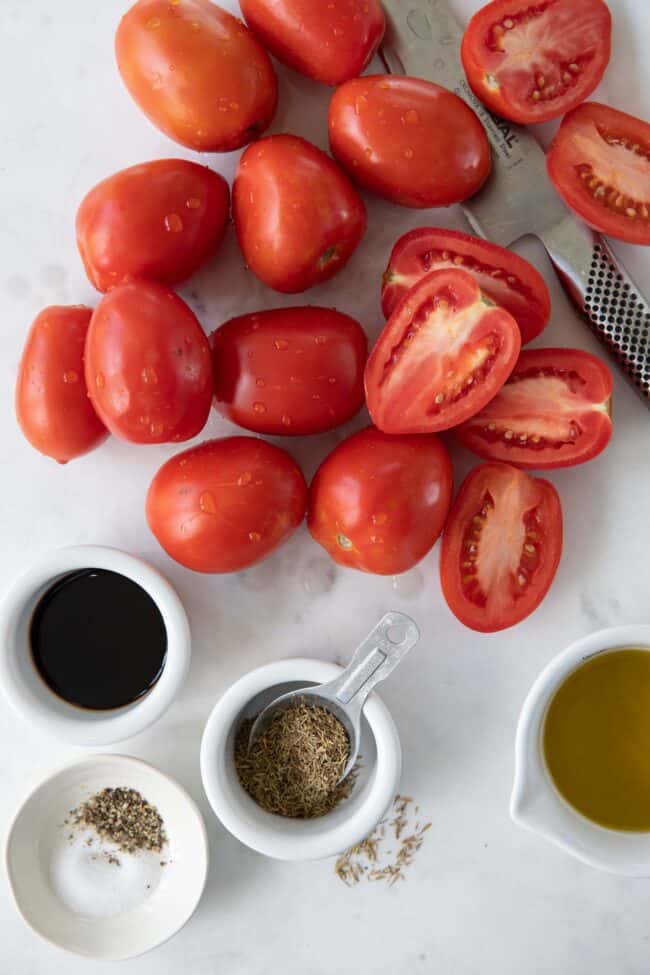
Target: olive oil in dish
(596,739)
(98,640)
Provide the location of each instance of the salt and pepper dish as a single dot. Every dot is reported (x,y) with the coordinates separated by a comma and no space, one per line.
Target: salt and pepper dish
(374,659)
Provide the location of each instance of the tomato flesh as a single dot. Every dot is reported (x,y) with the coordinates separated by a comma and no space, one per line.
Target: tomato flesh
(599,162)
(226,504)
(378,503)
(502,275)
(289,371)
(531,62)
(408,140)
(159,220)
(52,405)
(443,354)
(501,547)
(329,42)
(554,411)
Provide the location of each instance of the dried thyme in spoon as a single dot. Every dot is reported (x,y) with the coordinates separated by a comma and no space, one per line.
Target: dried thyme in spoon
(293,769)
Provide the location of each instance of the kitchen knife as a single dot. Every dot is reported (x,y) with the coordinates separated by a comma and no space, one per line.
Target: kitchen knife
(423,40)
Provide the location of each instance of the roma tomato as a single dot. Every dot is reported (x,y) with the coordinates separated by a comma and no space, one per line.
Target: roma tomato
(554,411)
(408,140)
(502,275)
(160,220)
(148,365)
(52,405)
(297,216)
(289,370)
(599,162)
(534,62)
(196,72)
(501,547)
(330,42)
(379,503)
(226,504)
(444,353)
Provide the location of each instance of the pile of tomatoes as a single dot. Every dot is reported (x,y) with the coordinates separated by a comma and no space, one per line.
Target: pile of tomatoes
(458,309)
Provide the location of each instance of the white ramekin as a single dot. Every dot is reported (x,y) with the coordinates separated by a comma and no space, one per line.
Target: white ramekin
(536,804)
(27,692)
(277,836)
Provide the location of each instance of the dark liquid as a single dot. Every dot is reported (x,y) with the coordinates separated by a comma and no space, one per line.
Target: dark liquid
(98,639)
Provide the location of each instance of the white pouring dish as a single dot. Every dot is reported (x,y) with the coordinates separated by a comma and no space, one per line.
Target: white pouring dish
(536,803)
(36,846)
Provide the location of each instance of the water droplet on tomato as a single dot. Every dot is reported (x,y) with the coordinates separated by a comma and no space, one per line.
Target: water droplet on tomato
(360,104)
(332,380)
(320,340)
(173,223)
(260,383)
(286,420)
(153,23)
(156,82)
(207,503)
(70,376)
(149,375)
(100,382)
(259,407)
(281,344)
(411,117)
(193,203)
(408,153)
(254,536)
(157,428)
(244,478)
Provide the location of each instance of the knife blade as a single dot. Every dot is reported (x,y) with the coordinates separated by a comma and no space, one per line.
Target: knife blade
(423,40)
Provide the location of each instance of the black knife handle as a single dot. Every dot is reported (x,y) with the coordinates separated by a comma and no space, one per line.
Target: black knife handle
(616,310)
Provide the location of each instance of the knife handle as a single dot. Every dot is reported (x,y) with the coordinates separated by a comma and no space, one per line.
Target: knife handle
(617,312)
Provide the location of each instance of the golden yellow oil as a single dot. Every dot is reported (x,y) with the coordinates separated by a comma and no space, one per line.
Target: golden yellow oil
(597,739)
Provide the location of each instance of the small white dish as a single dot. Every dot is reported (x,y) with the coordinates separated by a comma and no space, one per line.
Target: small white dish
(536,804)
(27,692)
(35,852)
(277,836)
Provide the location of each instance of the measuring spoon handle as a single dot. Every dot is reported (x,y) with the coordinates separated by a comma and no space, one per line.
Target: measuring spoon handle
(375,658)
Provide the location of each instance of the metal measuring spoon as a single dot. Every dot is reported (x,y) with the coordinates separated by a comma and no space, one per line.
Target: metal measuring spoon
(344,697)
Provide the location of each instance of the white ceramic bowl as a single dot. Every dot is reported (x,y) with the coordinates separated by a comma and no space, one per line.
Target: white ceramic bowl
(27,692)
(536,804)
(296,839)
(36,844)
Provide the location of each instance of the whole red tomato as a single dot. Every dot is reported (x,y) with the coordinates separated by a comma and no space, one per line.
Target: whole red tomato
(289,371)
(297,215)
(148,365)
(408,140)
(52,405)
(329,41)
(196,72)
(378,503)
(226,504)
(159,220)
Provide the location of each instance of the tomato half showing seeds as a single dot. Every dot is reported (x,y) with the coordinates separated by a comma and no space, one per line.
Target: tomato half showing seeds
(148,365)
(531,62)
(196,72)
(599,162)
(501,547)
(160,220)
(52,405)
(444,353)
(330,41)
(554,411)
(298,217)
(408,140)
(502,275)
(378,503)
(226,504)
(289,371)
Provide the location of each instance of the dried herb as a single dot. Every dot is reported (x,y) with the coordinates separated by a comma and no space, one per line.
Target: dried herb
(293,769)
(369,859)
(123,817)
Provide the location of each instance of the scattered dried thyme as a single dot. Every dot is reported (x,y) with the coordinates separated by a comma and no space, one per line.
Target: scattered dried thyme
(371,861)
(293,769)
(123,817)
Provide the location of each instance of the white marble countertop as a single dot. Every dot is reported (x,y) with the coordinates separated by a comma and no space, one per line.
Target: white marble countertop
(482,897)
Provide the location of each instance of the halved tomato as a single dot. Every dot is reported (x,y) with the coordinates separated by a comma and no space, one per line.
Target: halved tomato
(444,353)
(530,62)
(554,411)
(503,276)
(599,162)
(501,547)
